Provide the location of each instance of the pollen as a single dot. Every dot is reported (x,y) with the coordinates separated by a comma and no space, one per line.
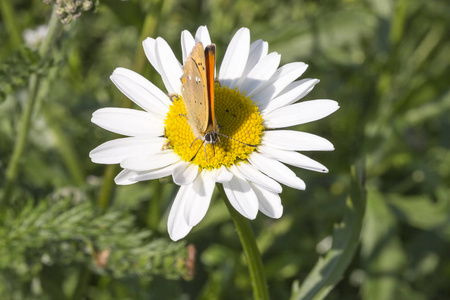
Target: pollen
(240,128)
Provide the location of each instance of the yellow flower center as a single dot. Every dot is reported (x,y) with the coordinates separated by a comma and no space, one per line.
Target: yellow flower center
(238,118)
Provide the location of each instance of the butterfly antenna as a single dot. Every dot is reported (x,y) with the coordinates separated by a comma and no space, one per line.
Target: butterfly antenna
(229,137)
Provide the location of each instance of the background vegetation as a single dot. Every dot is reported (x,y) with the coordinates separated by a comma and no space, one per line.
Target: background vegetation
(67,232)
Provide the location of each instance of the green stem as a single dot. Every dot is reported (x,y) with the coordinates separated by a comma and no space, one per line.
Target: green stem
(84,276)
(252,254)
(33,87)
(9,19)
(107,187)
(154,208)
(148,29)
(66,149)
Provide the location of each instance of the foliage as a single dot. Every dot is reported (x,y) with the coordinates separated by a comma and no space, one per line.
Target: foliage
(56,234)
(385,62)
(16,69)
(329,269)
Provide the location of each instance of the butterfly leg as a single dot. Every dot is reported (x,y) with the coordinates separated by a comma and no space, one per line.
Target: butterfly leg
(214,150)
(193,143)
(204,146)
(197,150)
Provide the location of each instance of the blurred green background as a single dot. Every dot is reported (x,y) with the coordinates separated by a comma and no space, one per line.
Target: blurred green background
(67,232)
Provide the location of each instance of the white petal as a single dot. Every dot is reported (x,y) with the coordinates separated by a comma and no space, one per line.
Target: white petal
(129,122)
(185,173)
(150,162)
(171,69)
(277,171)
(176,224)
(141,91)
(259,75)
(114,151)
(295,140)
(254,175)
(155,173)
(138,95)
(129,176)
(125,177)
(258,50)
(187,43)
(202,35)
(235,58)
(281,79)
(221,175)
(293,92)
(293,158)
(149,46)
(197,205)
(241,196)
(269,202)
(300,113)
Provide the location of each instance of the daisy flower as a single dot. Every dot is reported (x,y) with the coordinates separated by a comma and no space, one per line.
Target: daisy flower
(254,99)
(34,37)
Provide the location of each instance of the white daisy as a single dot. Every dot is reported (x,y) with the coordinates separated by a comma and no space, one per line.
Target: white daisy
(254,99)
(34,37)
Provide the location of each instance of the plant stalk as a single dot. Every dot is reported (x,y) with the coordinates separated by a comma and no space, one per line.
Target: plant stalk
(251,251)
(148,29)
(22,136)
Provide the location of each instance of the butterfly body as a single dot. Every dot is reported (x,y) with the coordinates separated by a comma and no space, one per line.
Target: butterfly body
(197,90)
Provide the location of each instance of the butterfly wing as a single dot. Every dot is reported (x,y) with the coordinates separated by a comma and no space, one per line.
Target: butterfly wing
(194,91)
(210,59)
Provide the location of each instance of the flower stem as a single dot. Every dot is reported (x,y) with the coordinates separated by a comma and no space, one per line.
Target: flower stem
(84,276)
(10,22)
(33,87)
(148,29)
(107,187)
(154,206)
(252,254)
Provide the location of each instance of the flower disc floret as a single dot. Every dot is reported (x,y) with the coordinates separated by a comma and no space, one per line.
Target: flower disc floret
(238,118)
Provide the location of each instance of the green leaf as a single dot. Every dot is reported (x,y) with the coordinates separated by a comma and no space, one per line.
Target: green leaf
(329,269)
(66,233)
(16,69)
(420,211)
(381,251)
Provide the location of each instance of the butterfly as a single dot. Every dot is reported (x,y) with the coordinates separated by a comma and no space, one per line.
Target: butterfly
(197,91)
